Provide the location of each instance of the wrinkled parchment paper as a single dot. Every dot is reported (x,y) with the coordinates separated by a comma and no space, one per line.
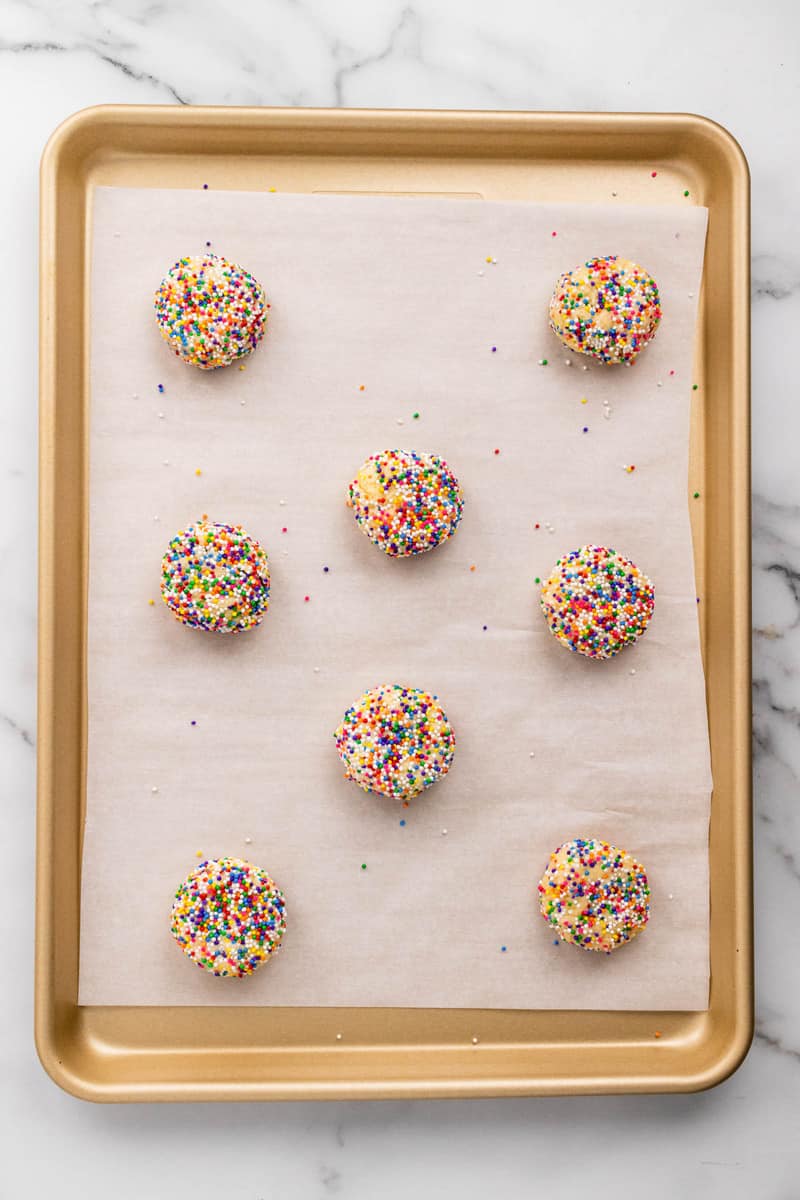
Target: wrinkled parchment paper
(395,295)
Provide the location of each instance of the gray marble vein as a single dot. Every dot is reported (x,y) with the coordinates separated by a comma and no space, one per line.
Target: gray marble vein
(96,51)
(21,732)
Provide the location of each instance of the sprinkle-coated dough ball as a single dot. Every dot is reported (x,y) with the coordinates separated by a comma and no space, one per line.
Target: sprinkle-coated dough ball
(594,895)
(215,577)
(597,601)
(228,916)
(406,502)
(211,311)
(396,741)
(608,308)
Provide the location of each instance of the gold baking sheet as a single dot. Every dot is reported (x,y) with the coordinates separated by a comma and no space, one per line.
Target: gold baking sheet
(235,1053)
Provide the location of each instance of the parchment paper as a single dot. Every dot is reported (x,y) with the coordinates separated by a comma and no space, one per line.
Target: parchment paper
(394,294)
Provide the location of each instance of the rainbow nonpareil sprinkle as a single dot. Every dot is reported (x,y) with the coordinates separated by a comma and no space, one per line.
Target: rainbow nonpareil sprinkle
(215,577)
(406,502)
(597,601)
(395,741)
(228,917)
(210,311)
(594,895)
(608,308)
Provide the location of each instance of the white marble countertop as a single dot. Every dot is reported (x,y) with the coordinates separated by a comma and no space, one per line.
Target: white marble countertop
(738,63)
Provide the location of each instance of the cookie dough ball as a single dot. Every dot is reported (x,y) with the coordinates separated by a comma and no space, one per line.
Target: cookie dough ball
(594,895)
(215,577)
(396,741)
(608,308)
(211,311)
(597,601)
(406,502)
(228,916)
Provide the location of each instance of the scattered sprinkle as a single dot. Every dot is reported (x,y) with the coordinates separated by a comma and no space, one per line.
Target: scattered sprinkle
(284,529)
(472,567)
(326,569)
(586,429)
(199,853)
(338,1036)
(415,416)
(151,601)
(496,451)
(205,187)
(403,821)
(696,495)
(554,234)
(363,866)
(362,387)
(161,387)
(630,468)
(542,362)
(248,841)
(154,790)
(695,387)
(657,1033)
(653,174)
(686,193)
(444,833)
(198,471)
(194,722)
(474,1041)
(494,349)
(306,599)
(485,628)
(272,189)
(584,400)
